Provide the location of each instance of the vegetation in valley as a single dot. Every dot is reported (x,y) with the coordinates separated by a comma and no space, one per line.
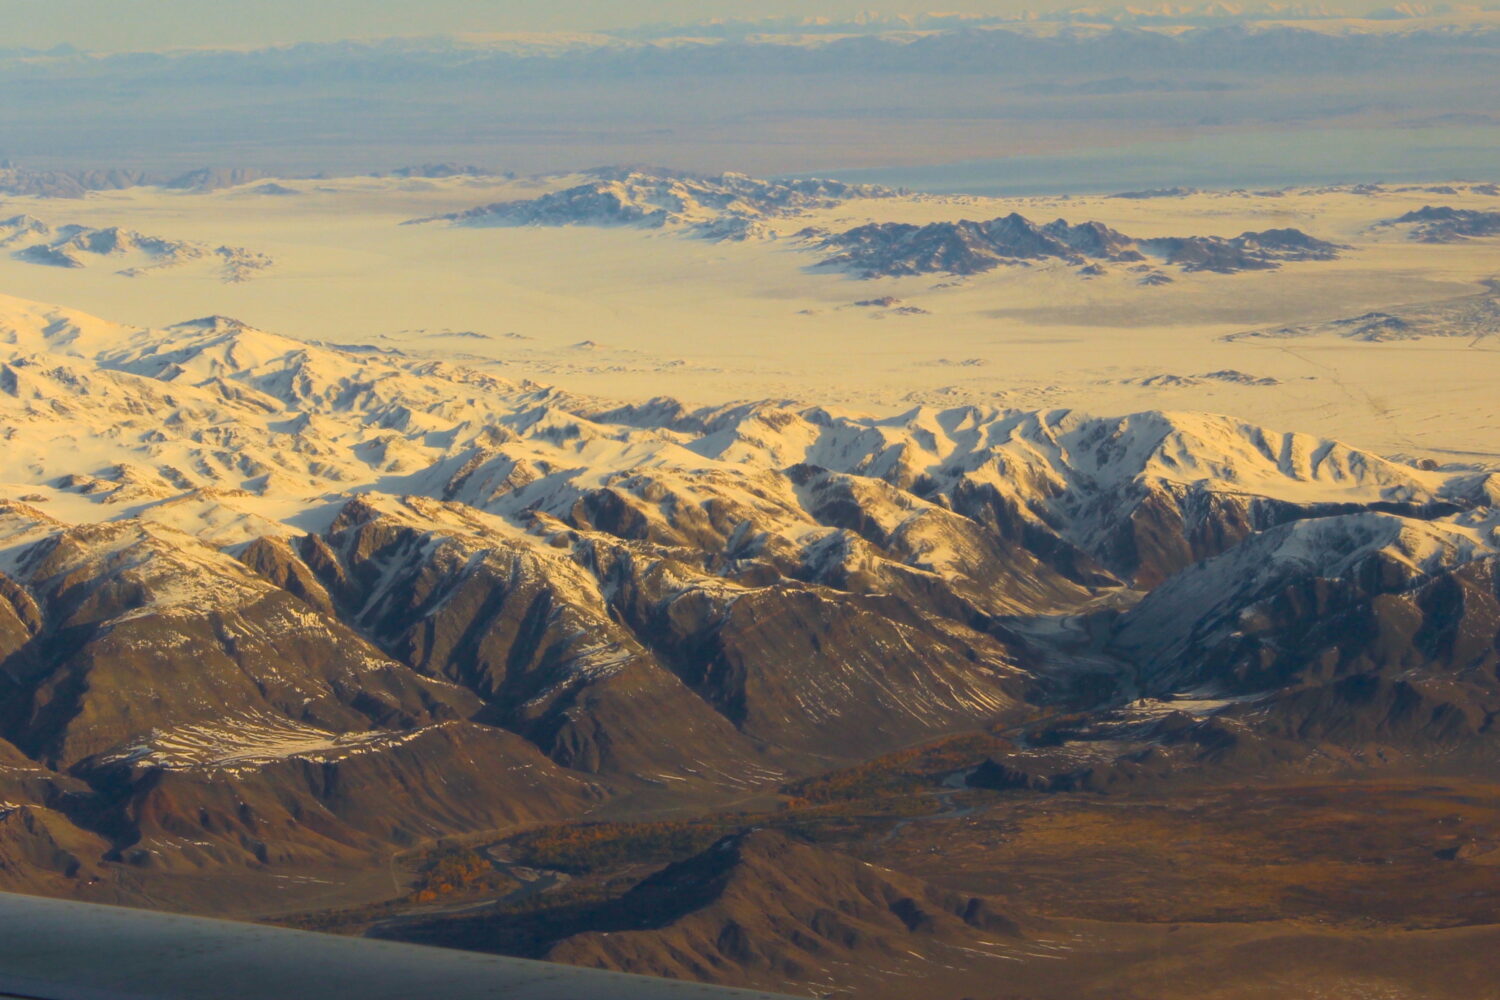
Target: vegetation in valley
(903,773)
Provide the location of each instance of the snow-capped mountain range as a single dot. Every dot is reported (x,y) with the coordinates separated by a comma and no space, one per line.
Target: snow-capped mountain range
(723,207)
(232,563)
(734,207)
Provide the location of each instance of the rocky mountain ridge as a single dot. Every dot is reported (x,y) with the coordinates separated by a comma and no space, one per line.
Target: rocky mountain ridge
(28,182)
(724,207)
(734,207)
(255,593)
(965,247)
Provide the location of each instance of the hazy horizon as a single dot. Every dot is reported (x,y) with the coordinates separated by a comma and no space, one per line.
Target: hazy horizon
(106,25)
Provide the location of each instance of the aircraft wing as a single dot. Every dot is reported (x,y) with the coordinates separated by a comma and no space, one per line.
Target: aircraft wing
(56,950)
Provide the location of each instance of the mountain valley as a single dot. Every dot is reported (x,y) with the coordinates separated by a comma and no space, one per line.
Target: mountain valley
(274,610)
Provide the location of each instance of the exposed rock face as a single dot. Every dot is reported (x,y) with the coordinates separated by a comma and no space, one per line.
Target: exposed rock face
(1441,224)
(273,559)
(735,207)
(1246,252)
(756,910)
(215,719)
(893,248)
(534,638)
(1289,244)
(137,617)
(1171,192)
(965,247)
(214,178)
(628,659)
(436,170)
(1229,376)
(1093,239)
(1361,631)
(762,909)
(1227,619)
(41,851)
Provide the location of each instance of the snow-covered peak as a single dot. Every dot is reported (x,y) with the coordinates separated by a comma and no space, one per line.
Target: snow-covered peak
(723,207)
(32,327)
(233,430)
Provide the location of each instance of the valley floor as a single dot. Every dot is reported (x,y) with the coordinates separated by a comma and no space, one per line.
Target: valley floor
(1383,887)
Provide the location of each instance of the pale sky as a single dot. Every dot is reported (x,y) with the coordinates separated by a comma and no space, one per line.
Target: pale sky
(149,24)
(112,25)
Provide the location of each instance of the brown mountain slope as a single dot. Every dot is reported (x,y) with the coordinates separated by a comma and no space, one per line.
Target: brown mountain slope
(761,910)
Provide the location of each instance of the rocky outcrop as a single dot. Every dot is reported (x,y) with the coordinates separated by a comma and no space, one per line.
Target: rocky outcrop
(1276,606)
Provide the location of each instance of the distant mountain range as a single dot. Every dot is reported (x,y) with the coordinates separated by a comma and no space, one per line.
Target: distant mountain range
(736,208)
(30,239)
(887,249)
(30,182)
(26,182)
(723,207)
